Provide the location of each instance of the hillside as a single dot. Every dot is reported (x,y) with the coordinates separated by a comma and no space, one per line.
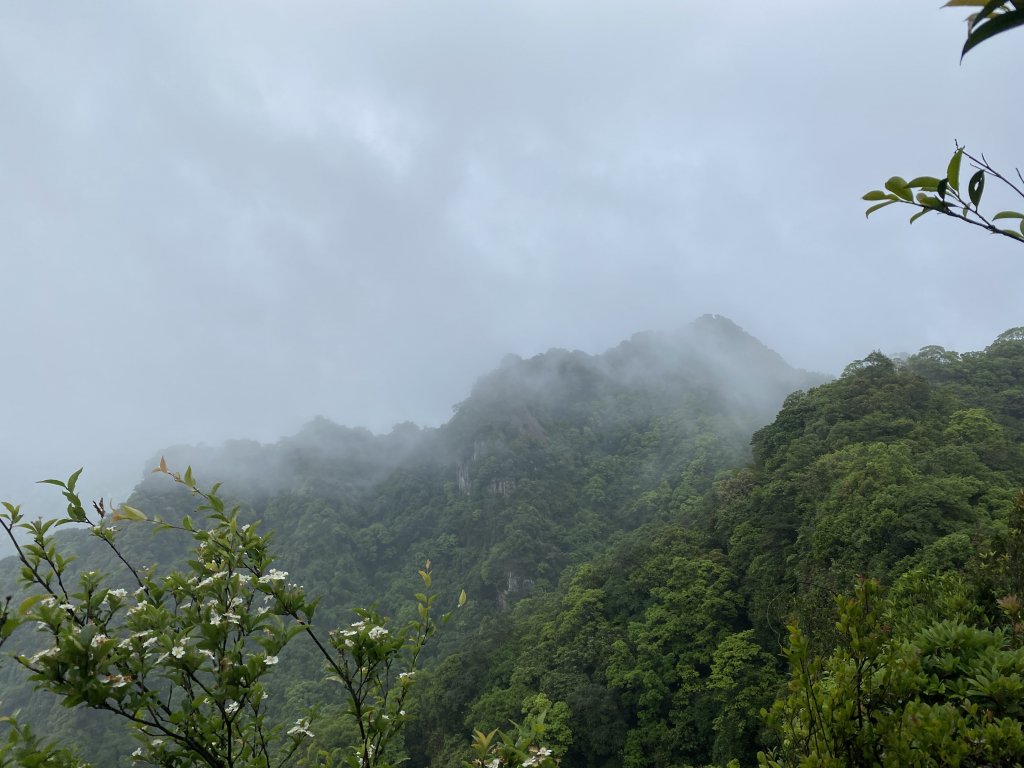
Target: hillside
(627,554)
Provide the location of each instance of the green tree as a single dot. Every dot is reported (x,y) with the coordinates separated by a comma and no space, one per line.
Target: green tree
(902,689)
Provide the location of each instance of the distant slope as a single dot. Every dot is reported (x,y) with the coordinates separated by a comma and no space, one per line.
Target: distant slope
(547,461)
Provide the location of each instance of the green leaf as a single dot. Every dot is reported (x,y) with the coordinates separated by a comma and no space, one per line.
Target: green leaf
(74,479)
(930,201)
(1012,233)
(76,514)
(919,214)
(928,183)
(189,480)
(124,512)
(7,629)
(877,194)
(875,207)
(942,187)
(953,171)
(983,30)
(975,187)
(898,186)
(58,483)
(1008,215)
(28,602)
(462,598)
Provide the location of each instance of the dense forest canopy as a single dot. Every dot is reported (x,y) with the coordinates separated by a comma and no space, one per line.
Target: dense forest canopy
(634,557)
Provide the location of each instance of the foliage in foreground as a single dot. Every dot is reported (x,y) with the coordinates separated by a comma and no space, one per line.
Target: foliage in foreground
(183,657)
(946,196)
(899,691)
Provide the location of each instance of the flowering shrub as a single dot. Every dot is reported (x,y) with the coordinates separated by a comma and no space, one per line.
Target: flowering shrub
(519,746)
(184,657)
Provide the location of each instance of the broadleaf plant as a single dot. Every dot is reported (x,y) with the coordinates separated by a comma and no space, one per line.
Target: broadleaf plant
(184,657)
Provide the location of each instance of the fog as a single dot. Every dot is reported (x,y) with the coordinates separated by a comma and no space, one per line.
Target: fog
(220,220)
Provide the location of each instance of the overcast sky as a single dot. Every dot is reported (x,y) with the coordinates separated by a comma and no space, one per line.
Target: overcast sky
(220,219)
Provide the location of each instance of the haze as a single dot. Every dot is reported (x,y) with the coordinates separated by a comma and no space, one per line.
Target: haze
(219,220)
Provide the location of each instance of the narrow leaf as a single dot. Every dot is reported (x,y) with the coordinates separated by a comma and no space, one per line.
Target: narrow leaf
(953,170)
(927,183)
(874,208)
(74,479)
(980,32)
(877,194)
(124,512)
(1008,215)
(919,214)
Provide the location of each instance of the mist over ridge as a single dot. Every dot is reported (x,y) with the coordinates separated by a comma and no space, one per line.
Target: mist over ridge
(710,363)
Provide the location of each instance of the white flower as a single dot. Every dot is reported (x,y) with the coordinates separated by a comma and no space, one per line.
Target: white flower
(98,640)
(148,642)
(137,752)
(270,661)
(178,651)
(273,575)
(214,618)
(119,593)
(378,632)
(301,728)
(230,708)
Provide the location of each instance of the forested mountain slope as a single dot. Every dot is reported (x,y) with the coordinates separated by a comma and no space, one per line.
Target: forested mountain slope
(666,646)
(628,558)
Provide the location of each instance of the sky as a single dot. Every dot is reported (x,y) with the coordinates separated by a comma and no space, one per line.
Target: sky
(221,219)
